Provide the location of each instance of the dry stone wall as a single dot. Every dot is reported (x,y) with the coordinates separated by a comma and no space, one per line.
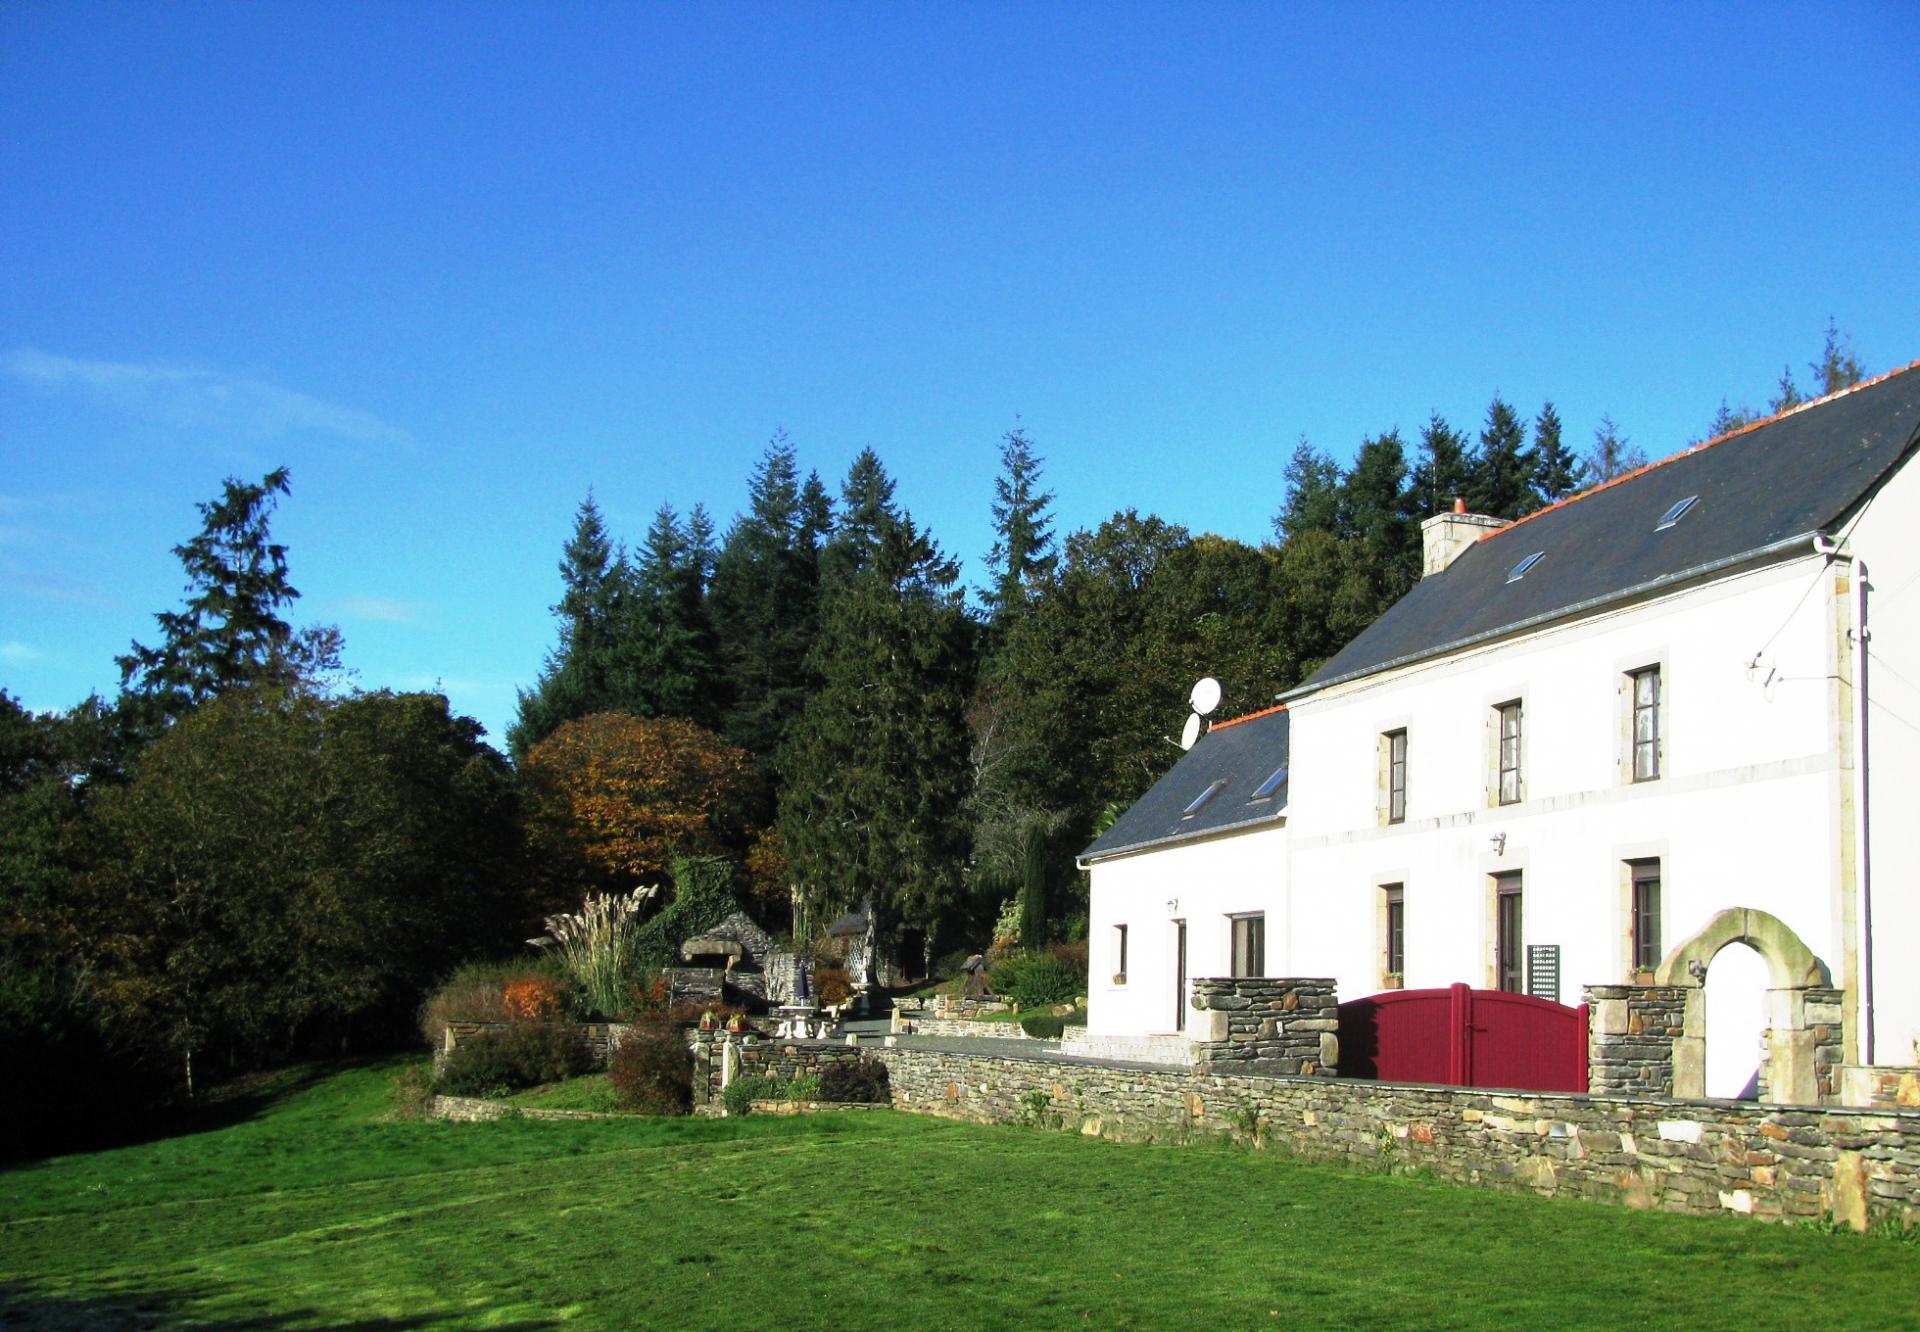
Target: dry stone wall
(784,1060)
(1776,1162)
(1630,1034)
(1272,1026)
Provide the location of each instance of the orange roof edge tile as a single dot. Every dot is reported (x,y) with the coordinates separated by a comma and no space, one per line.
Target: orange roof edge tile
(1687,452)
(1247,717)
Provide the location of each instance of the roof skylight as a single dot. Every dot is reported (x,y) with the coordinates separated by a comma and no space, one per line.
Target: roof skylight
(1676,513)
(1519,570)
(1199,801)
(1266,789)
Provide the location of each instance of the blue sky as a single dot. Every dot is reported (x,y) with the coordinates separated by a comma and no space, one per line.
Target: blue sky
(455,264)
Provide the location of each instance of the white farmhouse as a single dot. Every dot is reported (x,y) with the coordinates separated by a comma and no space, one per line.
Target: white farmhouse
(1667,728)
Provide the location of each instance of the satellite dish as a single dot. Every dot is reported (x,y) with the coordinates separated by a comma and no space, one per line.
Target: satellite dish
(1205,695)
(1191,731)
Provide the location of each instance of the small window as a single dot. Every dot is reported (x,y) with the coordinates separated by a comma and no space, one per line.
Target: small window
(1119,954)
(1396,743)
(1395,895)
(1519,570)
(1509,753)
(1199,801)
(1646,724)
(1250,945)
(1266,789)
(1676,513)
(1646,913)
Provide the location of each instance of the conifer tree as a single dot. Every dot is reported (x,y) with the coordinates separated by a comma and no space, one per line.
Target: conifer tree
(1502,482)
(1557,472)
(762,603)
(1838,367)
(669,641)
(1313,493)
(1022,559)
(1612,454)
(586,672)
(872,807)
(1445,469)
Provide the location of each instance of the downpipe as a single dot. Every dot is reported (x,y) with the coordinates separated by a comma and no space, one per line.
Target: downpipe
(1862,861)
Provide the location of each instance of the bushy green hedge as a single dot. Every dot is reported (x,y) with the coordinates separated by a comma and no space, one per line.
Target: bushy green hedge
(520,1054)
(1037,978)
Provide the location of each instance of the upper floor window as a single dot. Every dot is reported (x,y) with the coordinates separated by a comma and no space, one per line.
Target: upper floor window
(1646,723)
(1250,945)
(1509,757)
(1395,743)
(1646,913)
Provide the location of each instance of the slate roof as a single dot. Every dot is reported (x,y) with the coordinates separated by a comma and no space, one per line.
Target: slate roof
(1243,752)
(1777,482)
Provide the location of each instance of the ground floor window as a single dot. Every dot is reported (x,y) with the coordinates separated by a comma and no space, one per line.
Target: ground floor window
(1119,954)
(1395,899)
(1250,945)
(1646,913)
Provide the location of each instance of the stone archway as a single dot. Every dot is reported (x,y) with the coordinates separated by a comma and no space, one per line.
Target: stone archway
(1803,1013)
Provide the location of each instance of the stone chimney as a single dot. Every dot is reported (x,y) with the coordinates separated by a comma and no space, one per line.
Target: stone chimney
(1444,536)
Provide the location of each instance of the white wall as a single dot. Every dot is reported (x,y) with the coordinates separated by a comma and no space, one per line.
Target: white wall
(1745,812)
(1210,881)
(1886,541)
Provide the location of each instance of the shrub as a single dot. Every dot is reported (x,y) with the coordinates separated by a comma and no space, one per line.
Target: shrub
(651,1070)
(862,1083)
(1036,978)
(412,1090)
(532,999)
(1051,1026)
(743,1091)
(477,992)
(1074,954)
(520,1054)
(831,985)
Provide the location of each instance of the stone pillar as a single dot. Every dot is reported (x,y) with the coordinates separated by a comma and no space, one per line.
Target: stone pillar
(1637,1042)
(1257,1024)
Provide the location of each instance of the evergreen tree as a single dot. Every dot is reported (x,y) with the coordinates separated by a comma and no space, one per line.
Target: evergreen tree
(229,634)
(1557,472)
(1444,472)
(671,661)
(762,603)
(1838,367)
(590,670)
(1612,454)
(872,810)
(1502,478)
(1022,560)
(1313,492)
(1787,394)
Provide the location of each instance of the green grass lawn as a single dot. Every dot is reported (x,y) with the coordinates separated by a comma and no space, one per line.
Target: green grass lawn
(314,1212)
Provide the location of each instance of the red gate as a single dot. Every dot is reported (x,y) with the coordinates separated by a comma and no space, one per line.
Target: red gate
(1462,1037)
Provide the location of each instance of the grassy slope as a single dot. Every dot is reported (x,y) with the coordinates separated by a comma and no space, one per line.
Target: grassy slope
(313,1213)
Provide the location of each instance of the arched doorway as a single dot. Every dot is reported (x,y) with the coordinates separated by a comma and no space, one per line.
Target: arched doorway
(1708,1062)
(1736,1022)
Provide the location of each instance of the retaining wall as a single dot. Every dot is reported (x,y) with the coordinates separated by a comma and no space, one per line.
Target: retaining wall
(785,1060)
(1775,1162)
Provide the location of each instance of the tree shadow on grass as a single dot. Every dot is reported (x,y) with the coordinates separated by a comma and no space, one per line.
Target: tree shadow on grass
(25,1307)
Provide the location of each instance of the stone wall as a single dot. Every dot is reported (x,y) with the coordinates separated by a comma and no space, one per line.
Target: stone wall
(785,1060)
(915,1024)
(1776,1162)
(1880,1086)
(1631,1032)
(600,1037)
(1269,1025)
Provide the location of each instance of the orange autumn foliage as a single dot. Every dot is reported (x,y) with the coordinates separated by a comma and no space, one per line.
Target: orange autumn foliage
(531,999)
(621,795)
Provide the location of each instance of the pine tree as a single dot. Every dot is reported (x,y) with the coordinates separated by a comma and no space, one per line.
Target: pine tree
(1502,480)
(1612,454)
(1313,493)
(1786,395)
(1838,367)
(1557,472)
(670,648)
(590,669)
(1022,560)
(1445,469)
(229,634)
(762,603)
(872,809)
(1375,511)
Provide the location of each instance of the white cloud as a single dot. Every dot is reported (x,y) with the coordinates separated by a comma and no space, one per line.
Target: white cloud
(385,610)
(18,654)
(190,396)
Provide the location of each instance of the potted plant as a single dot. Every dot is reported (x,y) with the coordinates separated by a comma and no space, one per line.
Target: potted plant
(707,1020)
(737,1024)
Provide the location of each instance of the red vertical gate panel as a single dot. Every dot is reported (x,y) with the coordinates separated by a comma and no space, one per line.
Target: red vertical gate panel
(1463,1037)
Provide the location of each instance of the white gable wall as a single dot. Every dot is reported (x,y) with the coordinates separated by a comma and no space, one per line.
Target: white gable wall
(1746,810)
(1208,882)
